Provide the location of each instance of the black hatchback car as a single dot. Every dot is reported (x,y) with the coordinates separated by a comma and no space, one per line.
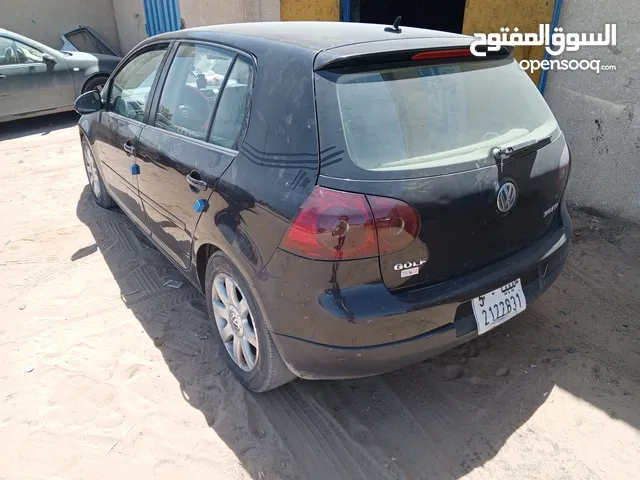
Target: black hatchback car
(350,198)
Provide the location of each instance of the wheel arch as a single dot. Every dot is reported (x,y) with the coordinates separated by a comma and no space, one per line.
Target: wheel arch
(93,76)
(204,250)
(203,254)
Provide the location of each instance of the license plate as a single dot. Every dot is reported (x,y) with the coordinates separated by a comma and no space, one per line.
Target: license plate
(495,308)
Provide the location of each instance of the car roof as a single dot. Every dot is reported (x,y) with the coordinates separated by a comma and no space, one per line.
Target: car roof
(27,41)
(316,36)
(10,33)
(4,31)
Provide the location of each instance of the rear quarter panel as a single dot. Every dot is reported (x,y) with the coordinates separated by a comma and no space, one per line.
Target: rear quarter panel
(276,167)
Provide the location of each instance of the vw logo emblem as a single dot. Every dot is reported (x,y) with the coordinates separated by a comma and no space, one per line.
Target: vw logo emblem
(507,196)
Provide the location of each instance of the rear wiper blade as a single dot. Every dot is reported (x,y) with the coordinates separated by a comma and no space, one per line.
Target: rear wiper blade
(502,153)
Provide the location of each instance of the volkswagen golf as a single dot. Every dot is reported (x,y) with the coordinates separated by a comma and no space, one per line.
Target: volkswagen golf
(350,198)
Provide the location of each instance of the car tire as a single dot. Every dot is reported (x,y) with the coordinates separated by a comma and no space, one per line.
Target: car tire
(96,83)
(96,183)
(269,371)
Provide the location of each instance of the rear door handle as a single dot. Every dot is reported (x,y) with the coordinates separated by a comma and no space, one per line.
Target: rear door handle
(196,182)
(129,148)
(3,77)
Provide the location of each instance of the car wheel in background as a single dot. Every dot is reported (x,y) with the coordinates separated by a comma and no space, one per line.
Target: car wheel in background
(239,328)
(95,179)
(96,83)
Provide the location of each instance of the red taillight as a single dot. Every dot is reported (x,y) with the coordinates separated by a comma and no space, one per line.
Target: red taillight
(435,54)
(335,225)
(397,223)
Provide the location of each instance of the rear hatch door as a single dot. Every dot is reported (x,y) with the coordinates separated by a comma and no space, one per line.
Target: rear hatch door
(468,142)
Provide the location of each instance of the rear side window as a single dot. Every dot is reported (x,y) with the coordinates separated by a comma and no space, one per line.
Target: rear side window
(191,89)
(421,117)
(130,88)
(232,115)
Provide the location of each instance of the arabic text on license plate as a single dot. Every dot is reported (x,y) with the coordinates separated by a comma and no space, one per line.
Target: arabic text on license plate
(495,308)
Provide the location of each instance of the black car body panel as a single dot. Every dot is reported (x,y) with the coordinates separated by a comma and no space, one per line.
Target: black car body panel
(330,319)
(461,230)
(276,166)
(112,132)
(166,159)
(364,329)
(346,304)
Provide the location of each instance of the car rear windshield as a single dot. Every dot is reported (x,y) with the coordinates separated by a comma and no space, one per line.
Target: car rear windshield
(436,115)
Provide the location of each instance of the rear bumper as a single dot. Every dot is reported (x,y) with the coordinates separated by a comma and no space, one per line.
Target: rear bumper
(363,329)
(316,361)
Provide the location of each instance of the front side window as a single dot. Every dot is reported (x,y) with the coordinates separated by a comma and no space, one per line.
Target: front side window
(191,89)
(131,87)
(13,52)
(232,115)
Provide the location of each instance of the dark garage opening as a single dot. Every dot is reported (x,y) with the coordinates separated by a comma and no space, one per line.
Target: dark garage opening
(432,14)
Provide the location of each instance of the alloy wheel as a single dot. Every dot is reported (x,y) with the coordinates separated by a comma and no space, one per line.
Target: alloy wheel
(92,169)
(235,322)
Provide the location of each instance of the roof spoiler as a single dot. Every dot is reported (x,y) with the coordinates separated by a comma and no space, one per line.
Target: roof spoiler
(396,56)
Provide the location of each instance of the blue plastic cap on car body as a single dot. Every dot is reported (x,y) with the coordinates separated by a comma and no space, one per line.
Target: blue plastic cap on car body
(200,205)
(135,169)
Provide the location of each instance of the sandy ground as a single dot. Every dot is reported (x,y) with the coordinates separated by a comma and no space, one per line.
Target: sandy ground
(106,373)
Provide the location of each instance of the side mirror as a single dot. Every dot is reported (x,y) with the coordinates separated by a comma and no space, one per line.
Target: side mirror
(89,102)
(47,58)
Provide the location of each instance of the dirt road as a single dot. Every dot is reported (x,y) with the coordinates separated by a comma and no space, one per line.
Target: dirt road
(106,373)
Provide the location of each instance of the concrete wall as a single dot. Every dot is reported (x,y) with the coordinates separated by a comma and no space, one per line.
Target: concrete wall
(600,113)
(130,18)
(45,20)
(130,21)
(197,13)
